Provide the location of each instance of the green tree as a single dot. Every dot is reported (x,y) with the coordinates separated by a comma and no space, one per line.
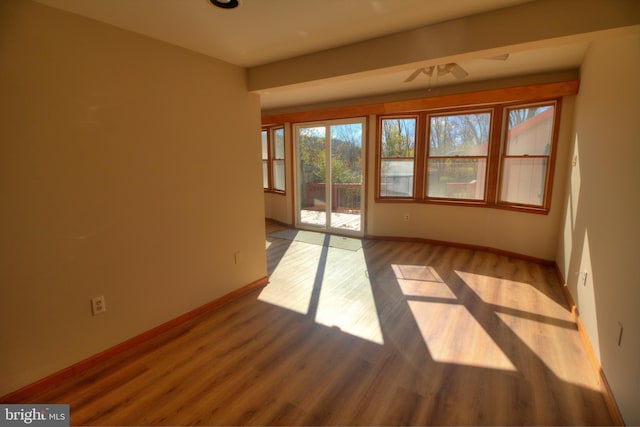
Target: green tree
(346,148)
(398,137)
(312,154)
(457,135)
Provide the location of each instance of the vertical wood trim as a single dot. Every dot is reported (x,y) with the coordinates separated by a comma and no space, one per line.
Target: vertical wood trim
(607,393)
(554,153)
(493,163)
(364,203)
(420,155)
(294,175)
(52,380)
(269,158)
(378,148)
(328,181)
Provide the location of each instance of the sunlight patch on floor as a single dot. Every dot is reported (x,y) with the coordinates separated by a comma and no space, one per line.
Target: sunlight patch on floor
(545,341)
(344,298)
(503,292)
(462,340)
(354,311)
(421,281)
(538,320)
(292,292)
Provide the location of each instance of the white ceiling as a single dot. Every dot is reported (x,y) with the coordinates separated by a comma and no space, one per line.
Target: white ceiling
(264,31)
(538,61)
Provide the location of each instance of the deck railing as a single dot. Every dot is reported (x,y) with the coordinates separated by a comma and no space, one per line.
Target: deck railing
(344,197)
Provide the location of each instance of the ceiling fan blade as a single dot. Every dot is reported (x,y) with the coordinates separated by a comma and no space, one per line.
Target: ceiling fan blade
(428,71)
(502,57)
(458,72)
(444,69)
(413,75)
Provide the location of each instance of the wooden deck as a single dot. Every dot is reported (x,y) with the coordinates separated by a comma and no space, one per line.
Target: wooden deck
(347,221)
(395,333)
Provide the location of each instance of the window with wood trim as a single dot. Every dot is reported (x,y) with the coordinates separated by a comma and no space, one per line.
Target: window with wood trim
(265,159)
(457,155)
(277,160)
(500,156)
(528,144)
(397,156)
(273,160)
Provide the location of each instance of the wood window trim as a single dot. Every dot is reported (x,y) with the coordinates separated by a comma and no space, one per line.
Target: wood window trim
(267,160)
(498,99)
(275,158)
(520,94)
(379,157)
(270,130)
(425,142)
(549,175)
(495,157)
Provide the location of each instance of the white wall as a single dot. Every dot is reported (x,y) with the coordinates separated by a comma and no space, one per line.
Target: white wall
(601,229)
(278,207)
(528,234)
(129,168)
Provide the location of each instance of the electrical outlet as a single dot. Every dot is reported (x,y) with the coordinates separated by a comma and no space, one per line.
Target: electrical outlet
(97,305)
(406,217)
(583,277)
(620,333)
(236,257)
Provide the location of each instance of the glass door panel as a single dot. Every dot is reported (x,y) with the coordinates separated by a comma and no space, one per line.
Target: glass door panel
(330,187)
(312,176)
(346,176)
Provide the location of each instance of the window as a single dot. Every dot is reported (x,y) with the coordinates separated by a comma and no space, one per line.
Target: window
(397,156)
(499,156)
(526,155)
(273,159)
(278,159)
(457,156)
(265,159)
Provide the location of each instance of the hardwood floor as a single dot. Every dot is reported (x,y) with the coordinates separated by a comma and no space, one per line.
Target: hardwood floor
(394,333)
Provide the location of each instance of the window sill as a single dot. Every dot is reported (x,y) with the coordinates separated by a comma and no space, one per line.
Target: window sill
(465,203)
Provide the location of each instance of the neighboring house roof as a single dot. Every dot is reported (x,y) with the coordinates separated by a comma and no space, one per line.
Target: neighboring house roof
(534,121)
(479,150)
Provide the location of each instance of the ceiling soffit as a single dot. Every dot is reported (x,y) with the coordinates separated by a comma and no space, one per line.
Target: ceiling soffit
(521,28)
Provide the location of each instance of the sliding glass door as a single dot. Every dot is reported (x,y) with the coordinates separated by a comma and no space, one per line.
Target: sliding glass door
(330,175)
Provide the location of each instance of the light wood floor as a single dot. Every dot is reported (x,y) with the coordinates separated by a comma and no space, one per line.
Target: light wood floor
(395,333)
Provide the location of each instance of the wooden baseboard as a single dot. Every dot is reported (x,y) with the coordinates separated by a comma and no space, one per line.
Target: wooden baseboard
(275,221)
(516,255)
(607,393)
(465,246)
(23,394)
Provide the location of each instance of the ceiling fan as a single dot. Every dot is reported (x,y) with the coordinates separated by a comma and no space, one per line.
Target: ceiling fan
(439,70)
(449,68)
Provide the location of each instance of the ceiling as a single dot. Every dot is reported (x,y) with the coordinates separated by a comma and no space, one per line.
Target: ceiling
(262,32)
(533,62)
